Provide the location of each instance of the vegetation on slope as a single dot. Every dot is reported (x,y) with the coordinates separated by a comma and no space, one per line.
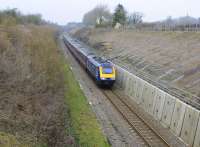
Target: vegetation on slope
(13,17)
(32,88)
(84,124)
(38,90)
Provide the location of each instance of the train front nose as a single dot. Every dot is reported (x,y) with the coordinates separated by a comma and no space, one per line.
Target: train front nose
(107,75)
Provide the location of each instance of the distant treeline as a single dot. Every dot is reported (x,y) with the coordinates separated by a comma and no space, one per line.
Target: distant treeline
(186,23)
(101,16)
(167,27)
(14,16)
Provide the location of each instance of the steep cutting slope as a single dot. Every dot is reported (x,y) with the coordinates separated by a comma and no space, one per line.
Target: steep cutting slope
(32,104)
(170,58)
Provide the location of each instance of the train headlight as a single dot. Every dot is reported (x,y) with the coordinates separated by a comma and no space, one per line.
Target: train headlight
(107,78)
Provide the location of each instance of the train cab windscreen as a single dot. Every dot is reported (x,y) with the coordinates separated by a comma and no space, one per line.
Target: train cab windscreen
(107,70)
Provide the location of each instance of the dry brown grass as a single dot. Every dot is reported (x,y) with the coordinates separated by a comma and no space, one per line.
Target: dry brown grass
(31,85)
(30,52)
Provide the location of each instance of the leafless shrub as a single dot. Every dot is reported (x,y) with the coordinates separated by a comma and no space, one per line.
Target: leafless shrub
(99,12)
(31,85)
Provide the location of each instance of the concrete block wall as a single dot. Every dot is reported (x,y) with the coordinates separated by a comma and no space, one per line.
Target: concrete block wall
(182,119)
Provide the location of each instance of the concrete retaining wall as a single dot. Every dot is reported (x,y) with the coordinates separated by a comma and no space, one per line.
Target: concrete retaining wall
(180,118)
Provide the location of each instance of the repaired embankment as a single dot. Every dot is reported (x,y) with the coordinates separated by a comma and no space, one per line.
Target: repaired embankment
(170,58)
(41,104)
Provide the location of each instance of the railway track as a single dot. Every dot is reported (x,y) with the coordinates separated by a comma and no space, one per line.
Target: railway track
(150,137)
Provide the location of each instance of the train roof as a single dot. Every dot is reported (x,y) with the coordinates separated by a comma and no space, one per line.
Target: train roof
(99,61)
(77,44)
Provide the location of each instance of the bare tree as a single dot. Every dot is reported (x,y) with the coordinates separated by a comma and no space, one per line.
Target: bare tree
(100,12)
(135,18)
(169,20)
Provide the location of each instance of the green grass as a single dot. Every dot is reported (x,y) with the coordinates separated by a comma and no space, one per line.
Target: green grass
(32,58)
(7,140)
(85,126)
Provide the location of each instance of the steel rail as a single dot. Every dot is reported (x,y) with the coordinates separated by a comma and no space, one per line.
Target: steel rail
(150,137)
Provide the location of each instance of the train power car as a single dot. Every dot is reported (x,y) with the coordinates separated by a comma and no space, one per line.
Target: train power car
(100,69)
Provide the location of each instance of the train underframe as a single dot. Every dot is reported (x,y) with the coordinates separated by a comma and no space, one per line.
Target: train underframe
(105,83)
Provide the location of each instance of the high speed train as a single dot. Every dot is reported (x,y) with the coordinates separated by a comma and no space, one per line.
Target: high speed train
(101,70)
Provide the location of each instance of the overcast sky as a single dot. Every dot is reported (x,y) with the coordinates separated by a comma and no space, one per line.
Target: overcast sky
(64,11)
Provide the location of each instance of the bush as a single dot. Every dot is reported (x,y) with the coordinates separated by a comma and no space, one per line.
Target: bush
(32,85)
(13,16)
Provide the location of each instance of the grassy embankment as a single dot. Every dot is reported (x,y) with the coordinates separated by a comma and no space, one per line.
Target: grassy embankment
(37,89)
(83,121)
(32,106)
